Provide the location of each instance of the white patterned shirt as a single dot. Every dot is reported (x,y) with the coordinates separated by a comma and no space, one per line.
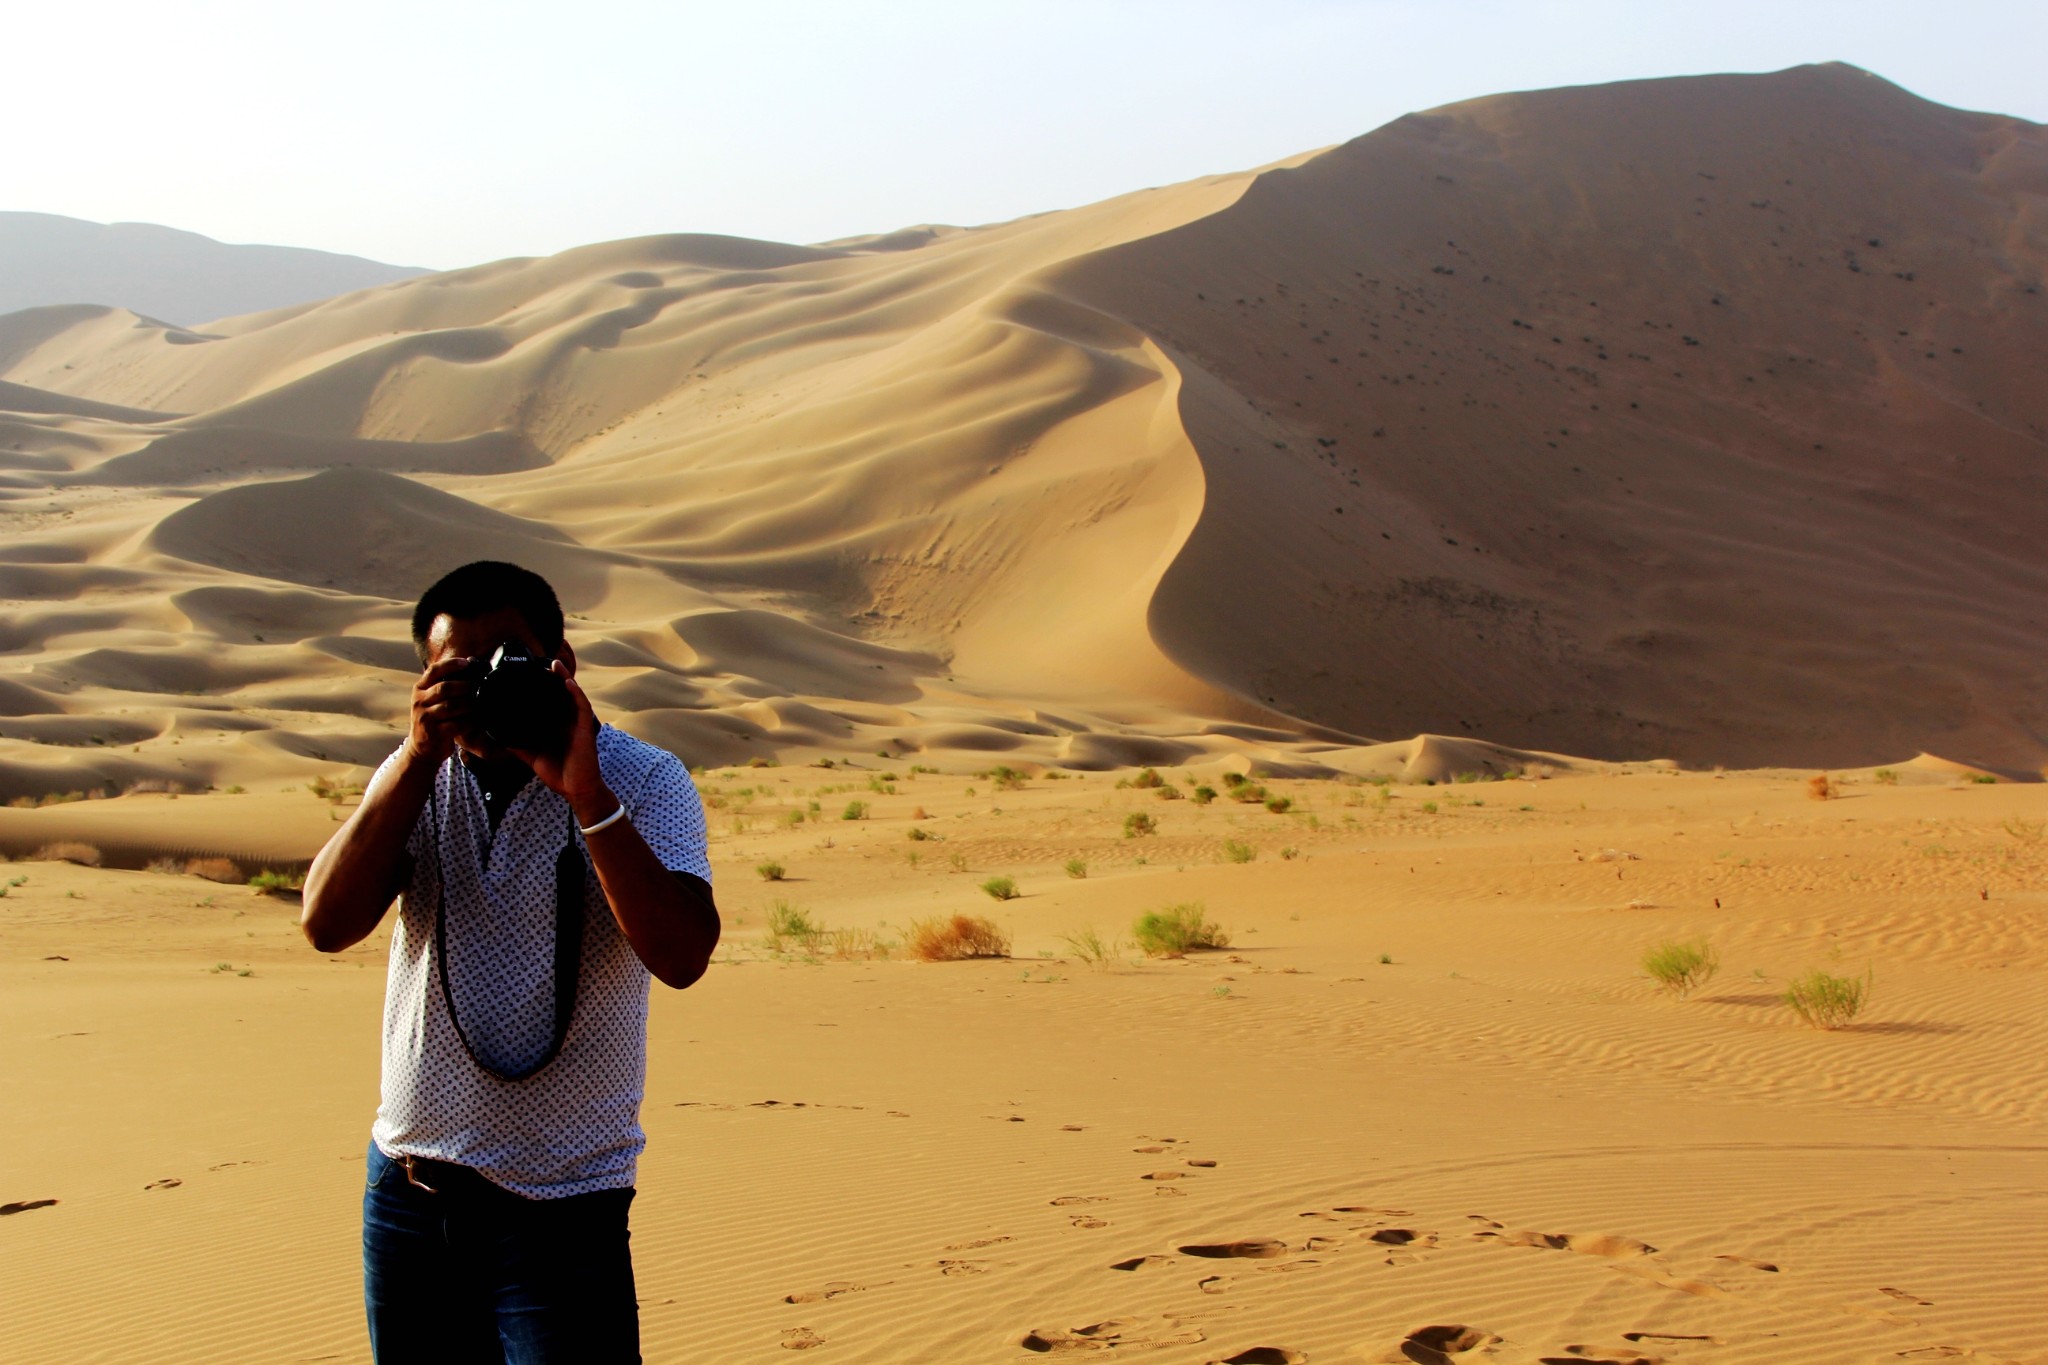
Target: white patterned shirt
(574,1126)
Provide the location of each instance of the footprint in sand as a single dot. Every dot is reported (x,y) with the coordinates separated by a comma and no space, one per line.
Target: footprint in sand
(957,1269)
(169,1182)
(1068,1200)
(1087,1220)
(834,1290)
(1904,1297)
(1141,1262)
(1107,1336)
(1596,1358)
(1247,1248)
(1262,1355)
(1443,1343)
(800,1339)
(1214,1284)
(24,1205)
(1768,1267)
(980,1242)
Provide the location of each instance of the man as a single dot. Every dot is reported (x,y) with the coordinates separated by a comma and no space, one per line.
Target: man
(541,887)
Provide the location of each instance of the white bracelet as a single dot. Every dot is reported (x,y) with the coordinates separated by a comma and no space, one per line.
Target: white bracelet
(608,821)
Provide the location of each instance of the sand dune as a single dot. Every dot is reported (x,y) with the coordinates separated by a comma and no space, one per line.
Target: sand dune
(1680,419)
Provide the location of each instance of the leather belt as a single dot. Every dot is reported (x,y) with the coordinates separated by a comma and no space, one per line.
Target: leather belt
(437,1177)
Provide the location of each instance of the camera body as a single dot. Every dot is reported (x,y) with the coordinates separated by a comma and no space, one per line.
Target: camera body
(520,702)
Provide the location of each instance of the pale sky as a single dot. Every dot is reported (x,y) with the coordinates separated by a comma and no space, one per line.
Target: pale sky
(446,132)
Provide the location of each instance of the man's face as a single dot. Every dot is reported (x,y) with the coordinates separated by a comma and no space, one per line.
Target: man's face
(478,637)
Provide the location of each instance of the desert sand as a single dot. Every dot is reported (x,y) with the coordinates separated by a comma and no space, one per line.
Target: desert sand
(1482,486)
(1288,1149)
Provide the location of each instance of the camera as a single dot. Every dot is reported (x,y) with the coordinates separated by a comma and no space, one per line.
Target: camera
(520,702)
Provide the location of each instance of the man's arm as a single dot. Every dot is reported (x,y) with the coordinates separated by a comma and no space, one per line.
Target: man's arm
(668,917)
(365,865)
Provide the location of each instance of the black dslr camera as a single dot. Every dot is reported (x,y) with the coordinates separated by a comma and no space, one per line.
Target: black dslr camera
(520,702)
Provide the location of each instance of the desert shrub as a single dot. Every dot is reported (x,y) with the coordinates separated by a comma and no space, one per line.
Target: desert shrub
(850,945)
(791,926)
(273,883)
(1233,779)
(1177,930)
(1202,795)
(882,785)
(221,870)
(1092,948)
(920,814)
(1001,888)
(1169,794)
(918,834)
(1279,805)
(1251,793)
(1886,777)
(763,763)
(1289,854)
(1006,779)
(1820,787)
(1429,808)
(1138,824)
(333,793)
(771,871)
(954,938)
(1467,775)
(1824,1000)
(67,851)
(1148,778)
(165,867)
(794,818)
(957,861)
(855,810)
(1984,780)
(1236,852)
(1077,868)
(1681,968)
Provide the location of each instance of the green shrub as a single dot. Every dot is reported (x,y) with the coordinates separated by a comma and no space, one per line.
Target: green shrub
(1148,778)
(1177,930)
(1279,805)
(1984,780)
(1251,793)
(1138,824)
(1289,854)
(1092,949)
(771,871)
(1235,852)
(919,833)
(855,810)
(1202,795)
(1006,779)
(1429,808)
(1233,779)
(790,926)
(1886,777)
(1002,888)
(1682,968)
(1826,1001)
(1077,868)
(278,883)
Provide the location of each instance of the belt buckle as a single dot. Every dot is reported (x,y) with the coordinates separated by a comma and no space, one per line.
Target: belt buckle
(412,1176)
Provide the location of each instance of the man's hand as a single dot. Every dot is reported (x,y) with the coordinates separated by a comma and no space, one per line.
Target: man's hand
(440,706)
(573,773)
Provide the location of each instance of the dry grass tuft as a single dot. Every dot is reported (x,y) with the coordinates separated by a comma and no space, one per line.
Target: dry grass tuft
(1177,930)
(67,851)
(1821,787)
(961,936)
(1826,1001)
(222,870)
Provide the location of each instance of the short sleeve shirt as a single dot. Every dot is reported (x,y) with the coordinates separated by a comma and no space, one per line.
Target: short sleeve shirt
(573,1126)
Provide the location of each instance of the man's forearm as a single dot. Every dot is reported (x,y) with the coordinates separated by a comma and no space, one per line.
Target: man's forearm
(672,925)
(353,881)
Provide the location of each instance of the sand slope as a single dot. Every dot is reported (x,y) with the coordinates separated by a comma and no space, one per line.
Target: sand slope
(1586,421)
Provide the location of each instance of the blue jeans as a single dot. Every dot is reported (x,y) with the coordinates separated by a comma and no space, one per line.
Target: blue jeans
(477,1275)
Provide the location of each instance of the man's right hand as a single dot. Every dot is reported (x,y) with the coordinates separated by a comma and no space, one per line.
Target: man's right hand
(440,706)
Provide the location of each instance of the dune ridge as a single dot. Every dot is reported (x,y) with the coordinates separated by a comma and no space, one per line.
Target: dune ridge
(1596,442)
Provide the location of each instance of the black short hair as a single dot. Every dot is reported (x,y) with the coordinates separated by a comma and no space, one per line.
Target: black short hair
(483,587)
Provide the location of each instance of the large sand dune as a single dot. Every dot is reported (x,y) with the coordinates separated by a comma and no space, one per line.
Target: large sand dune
(1684,418)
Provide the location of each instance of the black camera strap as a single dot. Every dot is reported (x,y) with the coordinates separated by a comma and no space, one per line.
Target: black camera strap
(569,892)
